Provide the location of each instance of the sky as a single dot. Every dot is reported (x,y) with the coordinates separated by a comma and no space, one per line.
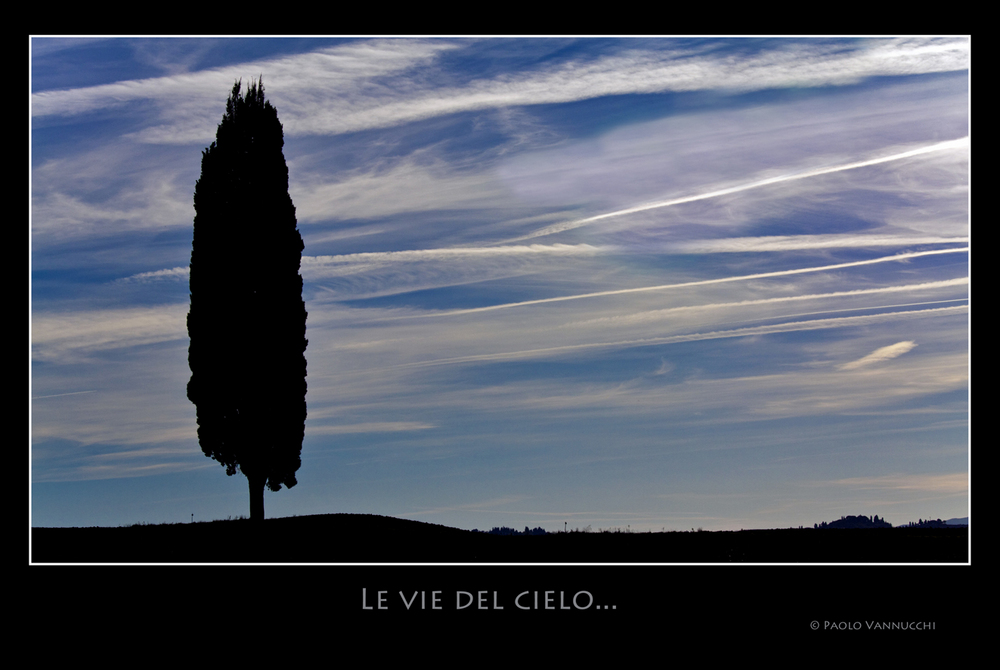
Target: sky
(643,283)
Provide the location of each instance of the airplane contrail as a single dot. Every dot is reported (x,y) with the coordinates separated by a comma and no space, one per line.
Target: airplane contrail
(569,225)
(59,395)
(701,282)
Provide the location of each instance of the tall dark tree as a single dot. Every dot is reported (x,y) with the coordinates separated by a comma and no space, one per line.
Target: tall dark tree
(247,321)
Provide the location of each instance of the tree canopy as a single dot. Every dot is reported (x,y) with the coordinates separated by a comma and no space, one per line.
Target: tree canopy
(247,321)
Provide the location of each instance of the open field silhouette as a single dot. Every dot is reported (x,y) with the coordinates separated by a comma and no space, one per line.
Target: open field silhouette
(370,539)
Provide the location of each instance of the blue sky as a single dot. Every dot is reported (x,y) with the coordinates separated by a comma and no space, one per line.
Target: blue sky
(655,283)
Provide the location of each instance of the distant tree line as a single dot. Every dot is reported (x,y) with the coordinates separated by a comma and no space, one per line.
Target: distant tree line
(855,522)
(504,530)
(875,522)
(926,523)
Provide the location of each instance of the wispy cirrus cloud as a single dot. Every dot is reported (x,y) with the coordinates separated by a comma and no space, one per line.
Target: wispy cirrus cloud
(750,331)
(369,427)
(189,102)
(370,274)
(451,253)
(638,71)
(67,465)
(945,483)
(405,187)
(381,83)
(343,88)
(766,395)
(76,334)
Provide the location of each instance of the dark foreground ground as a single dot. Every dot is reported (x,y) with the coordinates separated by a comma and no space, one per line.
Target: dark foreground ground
(360,538)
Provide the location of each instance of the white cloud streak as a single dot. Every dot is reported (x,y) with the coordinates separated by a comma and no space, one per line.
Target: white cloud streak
(171,274)
(880,355)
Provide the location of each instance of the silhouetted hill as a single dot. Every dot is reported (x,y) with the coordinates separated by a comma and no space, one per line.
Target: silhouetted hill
(363,538)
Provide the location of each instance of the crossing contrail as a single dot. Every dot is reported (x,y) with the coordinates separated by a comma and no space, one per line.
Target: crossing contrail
(702,282)
(569,225)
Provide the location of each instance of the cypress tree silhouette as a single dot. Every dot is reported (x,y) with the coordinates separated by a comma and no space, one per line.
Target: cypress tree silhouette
(247,321)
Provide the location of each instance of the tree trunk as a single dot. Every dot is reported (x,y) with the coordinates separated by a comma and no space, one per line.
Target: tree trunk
(256,497)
